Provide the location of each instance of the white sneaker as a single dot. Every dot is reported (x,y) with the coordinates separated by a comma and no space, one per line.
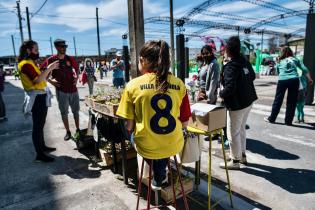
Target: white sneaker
(242,161)
(231,165)
(158,186)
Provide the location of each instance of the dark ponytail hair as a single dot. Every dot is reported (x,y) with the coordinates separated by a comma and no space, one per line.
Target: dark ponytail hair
(285,53)
(27,45)
(157,55)
(233,47)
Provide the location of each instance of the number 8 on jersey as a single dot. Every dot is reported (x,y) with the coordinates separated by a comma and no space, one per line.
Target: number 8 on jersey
(162,113)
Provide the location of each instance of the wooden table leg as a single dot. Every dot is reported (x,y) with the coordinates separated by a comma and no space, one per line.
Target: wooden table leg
(123,161)
(114,157)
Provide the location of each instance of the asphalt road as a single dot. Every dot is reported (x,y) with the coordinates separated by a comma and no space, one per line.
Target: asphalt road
(281,170)
(280,175)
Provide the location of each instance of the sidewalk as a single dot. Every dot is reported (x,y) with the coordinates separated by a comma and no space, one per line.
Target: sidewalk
(71,182)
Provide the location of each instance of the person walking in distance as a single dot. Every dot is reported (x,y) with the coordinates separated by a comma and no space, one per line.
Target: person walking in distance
(156,136)
(118,67)
(238,95)
(37,95)
(65,81)
(90,70)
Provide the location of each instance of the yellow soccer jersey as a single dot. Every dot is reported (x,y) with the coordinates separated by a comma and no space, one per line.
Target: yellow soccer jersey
(158,130)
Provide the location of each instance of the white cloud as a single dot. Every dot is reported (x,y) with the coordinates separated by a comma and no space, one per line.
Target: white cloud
(118,32)
(113,10)
(6,32)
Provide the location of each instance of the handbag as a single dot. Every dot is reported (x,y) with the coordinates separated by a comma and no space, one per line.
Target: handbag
(192,148)
(83,78)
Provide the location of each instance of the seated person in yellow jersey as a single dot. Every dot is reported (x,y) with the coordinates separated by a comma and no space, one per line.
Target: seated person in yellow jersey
(157,108)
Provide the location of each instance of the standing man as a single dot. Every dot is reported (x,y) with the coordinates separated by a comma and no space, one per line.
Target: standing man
(118,67)
(65,80)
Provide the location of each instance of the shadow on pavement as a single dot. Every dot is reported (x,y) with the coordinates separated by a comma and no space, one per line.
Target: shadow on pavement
(24,184)
(309,126)
(269,151)
(76,168)
(293,180)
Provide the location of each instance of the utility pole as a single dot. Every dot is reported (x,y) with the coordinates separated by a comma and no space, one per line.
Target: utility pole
(98,43)
(172,37)
(51,46)
(75,47)
(262,40)
(126,57)
(28,24)
(309,56)
(20,20)
(13,45)
(136,33)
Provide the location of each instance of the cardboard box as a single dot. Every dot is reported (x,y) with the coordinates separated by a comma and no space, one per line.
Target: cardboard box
(108,160)
(106,109)
(167,191)
(207,117)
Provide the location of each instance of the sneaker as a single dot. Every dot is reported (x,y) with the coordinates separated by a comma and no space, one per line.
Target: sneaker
(77,135)
(67,136)
(242,161)
(266,119)
(231,165)
(3,119)
(155,185)
(44,158)
(49,149)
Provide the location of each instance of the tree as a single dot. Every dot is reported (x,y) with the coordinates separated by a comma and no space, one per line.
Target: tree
(272,44)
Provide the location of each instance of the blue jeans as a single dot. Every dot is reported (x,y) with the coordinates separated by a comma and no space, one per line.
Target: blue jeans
(159,165)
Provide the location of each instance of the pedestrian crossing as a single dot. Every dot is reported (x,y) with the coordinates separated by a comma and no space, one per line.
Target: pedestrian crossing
(265,110)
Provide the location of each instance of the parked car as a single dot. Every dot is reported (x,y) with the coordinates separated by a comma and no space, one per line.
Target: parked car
(9,70)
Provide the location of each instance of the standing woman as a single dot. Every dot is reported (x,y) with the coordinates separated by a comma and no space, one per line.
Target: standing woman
(90,71)
(157,108)
(209,76)
(287,69)
(36,95)
(238,95)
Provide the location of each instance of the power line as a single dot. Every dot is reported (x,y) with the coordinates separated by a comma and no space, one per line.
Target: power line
(79,18)
(35,13)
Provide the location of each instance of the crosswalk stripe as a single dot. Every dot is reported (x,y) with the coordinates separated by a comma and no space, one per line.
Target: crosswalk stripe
(294,140)
(308,111)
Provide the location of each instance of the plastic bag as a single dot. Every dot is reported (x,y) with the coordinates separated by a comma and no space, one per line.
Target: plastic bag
(192,149)
(83,78)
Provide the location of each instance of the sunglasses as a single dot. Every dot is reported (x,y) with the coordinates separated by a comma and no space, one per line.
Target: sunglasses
(62,46)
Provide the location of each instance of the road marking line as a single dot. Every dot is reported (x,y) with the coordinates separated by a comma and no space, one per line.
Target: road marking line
(298,141)
(308,111)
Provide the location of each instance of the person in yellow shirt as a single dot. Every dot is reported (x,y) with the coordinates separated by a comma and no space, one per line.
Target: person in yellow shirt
(34,84)
(157,108)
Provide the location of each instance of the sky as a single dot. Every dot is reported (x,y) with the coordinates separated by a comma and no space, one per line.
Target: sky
(68,18)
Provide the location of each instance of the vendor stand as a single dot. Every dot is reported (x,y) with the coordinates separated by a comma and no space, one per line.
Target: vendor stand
(104,122)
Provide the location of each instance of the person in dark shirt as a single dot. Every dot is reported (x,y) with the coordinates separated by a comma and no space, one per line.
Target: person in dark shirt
(238,95)
(65,81)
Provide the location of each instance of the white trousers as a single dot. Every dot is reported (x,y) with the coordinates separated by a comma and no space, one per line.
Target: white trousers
(236,132)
